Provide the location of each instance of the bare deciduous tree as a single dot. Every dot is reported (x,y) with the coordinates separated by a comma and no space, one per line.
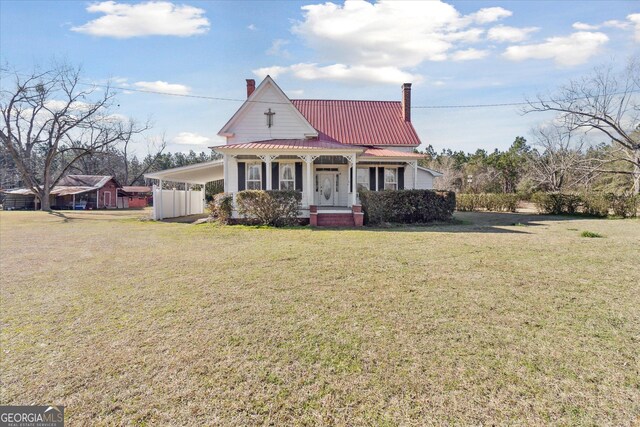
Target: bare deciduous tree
(605,101)
(557,161)
(50,120)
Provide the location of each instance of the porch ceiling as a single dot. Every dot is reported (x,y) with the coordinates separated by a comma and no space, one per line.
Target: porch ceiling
(200,173)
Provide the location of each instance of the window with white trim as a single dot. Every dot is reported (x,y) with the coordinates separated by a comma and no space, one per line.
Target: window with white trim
(287,176)
(254,176)
(390,178)
(363,179)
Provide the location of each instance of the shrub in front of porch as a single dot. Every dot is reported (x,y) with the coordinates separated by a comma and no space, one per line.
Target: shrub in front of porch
(274,207)
(220,207)
(407,206)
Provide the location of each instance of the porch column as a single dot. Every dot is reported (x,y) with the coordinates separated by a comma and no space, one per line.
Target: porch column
(354,184)
(226,172)
(267,159)
(159,203)
(204,197)
(308,191)
(415,174)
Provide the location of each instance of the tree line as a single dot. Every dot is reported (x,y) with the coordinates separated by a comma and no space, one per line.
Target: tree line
(549,162)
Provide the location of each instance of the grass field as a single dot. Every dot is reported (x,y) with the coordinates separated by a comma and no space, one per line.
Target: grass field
(498,319)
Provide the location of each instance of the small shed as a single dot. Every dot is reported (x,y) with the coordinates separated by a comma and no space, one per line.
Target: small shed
(138,196)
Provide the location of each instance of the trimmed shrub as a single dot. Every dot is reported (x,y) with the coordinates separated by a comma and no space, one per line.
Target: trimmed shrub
(407,206)
(220,207)
(556,203)
(591,204)
(467,202)
(595,205)
(277,208)
(498,202)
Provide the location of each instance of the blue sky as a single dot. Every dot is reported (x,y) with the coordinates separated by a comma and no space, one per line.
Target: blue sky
(455,53)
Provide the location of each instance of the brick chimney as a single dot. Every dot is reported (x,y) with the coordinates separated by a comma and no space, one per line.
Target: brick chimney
(251,86)
(406,102)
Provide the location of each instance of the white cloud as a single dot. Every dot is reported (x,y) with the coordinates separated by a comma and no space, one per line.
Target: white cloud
(581,26)
(490,14)
(120,81)
(635,19)
(160,86)
(612,23)
(469,54)
(295,92)
(567,51)
(503,33)
(341,72)
(390,33)
(152,18)
(252,27)
(277,48)
(190,138)
(274,71)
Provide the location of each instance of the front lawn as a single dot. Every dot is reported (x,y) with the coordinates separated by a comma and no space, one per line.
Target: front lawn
(499,319)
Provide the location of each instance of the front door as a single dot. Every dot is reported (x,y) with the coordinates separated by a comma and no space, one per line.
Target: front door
(326,188)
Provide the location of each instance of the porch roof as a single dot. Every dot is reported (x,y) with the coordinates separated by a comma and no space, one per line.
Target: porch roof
(383,152)
(289,144)
(200,173)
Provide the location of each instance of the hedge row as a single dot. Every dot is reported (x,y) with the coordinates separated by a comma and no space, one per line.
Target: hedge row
(407,206)
(592,204)
(499,202)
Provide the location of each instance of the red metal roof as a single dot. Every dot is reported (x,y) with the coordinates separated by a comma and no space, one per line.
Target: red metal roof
(358,122)
(383,152)
(288,144)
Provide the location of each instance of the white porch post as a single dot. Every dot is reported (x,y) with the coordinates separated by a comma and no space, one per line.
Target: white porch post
(267,159)
(159,210)
(309,162)
(354,184)
(204,197)
(226,172)
(415,174)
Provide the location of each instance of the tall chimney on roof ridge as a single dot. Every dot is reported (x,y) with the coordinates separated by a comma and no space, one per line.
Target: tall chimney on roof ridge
(406,102)
(251,86)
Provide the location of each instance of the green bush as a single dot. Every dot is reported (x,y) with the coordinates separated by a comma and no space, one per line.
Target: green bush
(556,203)
(407,206)
(277,208)
(220,207)
(595,204)
(590,234)
(499,202)
(591,204)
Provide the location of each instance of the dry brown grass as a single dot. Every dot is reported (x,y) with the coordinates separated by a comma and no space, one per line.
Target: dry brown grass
(143,323)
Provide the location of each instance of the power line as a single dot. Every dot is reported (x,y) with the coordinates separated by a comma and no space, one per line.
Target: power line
(433,107)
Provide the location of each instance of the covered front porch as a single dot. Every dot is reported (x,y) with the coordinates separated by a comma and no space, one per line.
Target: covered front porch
(329,175)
